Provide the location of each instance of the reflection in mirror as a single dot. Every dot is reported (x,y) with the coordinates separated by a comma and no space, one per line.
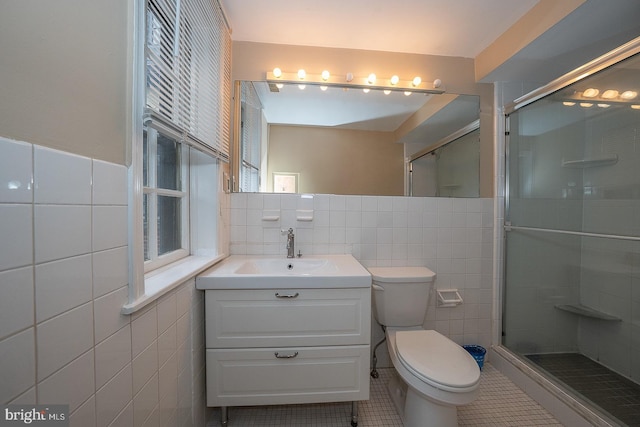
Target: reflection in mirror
(336,141)
(450,169)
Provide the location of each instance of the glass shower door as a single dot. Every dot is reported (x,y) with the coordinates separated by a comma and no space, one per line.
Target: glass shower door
(572,256)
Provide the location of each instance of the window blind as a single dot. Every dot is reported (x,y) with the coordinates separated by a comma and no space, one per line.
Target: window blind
(188,84)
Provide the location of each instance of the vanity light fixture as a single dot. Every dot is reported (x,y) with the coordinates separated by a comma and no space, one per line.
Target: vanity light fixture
(629,94)
(371,81)
(610,94)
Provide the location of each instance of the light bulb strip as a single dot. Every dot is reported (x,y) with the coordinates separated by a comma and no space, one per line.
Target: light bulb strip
(357,82)
(578,97)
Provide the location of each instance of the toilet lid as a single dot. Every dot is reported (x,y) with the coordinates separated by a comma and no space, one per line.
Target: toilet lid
(436,359)
(401,274)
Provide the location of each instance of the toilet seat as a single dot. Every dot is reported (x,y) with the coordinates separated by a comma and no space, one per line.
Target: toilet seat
(437,360)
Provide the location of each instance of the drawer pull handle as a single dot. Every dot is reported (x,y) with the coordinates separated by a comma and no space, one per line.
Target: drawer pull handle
(287,295)
(285,356)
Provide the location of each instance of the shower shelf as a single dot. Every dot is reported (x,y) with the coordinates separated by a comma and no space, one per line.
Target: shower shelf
(590,163)
(583,310)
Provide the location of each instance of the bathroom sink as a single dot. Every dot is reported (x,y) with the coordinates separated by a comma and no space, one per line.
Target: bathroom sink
(271,266)
(257,272)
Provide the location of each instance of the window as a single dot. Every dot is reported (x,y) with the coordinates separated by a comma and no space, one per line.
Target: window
(165,199)
(180,134)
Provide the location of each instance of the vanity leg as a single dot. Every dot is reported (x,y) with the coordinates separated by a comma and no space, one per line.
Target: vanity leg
(224,416)
(354,414)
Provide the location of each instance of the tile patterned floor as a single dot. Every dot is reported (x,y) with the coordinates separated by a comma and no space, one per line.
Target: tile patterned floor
(500,403)
(610,391)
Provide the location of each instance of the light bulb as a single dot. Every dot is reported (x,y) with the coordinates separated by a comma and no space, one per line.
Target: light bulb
(371,79)
(610,94)
(302,74)
(590,93)
(325,75)
(394,80)
(416,81)
(629,94)
(277,73)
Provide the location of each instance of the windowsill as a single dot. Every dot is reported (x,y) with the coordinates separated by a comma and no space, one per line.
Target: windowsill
(165,279)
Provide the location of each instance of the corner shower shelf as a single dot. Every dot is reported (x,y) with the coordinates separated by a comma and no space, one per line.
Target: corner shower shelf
(583,310)
(590,163)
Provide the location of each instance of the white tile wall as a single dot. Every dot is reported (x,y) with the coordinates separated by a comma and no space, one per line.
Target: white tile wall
(16,172)
(453,237)
(63,281)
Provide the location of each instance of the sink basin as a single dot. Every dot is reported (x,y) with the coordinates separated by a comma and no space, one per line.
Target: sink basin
(258,272)
(271,266)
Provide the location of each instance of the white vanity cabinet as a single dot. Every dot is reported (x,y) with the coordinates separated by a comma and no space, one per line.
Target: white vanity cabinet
(284,346)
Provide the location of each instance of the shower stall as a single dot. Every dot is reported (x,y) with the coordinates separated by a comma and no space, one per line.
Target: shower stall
(571,290)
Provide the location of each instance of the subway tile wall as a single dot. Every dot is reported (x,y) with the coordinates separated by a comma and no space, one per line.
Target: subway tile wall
(63,281)
(453,237)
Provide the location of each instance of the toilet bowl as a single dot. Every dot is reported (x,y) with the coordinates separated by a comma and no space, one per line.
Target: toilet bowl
(434,374)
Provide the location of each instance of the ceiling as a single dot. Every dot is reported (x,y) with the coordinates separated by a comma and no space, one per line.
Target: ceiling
(432,27)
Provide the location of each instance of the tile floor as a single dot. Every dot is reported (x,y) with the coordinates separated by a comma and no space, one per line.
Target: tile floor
(501,403)
(612,392)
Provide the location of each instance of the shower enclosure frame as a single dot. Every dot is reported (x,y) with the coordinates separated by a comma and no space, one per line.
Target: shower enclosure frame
(524,367)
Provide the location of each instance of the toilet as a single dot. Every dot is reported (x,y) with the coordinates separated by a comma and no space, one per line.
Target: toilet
(434,374)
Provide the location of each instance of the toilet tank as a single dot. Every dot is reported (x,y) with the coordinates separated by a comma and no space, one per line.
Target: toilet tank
(401,295)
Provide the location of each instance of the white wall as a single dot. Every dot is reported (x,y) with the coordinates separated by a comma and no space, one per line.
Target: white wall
(63,282)
(453,237)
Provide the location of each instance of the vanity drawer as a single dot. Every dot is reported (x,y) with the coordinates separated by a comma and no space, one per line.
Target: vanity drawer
(289,317)
(301,375)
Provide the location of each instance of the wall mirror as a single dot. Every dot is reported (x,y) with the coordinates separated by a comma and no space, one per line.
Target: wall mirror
(336,140)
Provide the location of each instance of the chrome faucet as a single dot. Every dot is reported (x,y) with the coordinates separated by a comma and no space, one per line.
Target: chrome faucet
(290,244)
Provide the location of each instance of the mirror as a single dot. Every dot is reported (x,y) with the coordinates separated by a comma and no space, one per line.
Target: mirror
(337,141)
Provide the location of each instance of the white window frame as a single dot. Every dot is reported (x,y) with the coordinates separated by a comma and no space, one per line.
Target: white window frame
(156,261)
(149,281)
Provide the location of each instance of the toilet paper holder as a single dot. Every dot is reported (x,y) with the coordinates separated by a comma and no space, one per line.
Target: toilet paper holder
(448,297)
